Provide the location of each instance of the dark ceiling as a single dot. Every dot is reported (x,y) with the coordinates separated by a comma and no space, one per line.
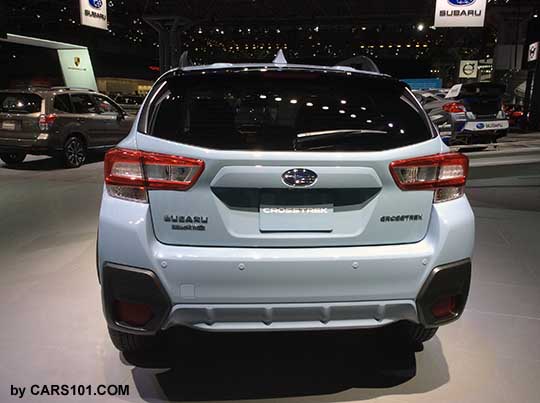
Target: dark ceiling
(319,31)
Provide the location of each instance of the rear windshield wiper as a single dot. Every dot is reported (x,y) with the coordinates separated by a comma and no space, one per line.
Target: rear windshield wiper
(338,132)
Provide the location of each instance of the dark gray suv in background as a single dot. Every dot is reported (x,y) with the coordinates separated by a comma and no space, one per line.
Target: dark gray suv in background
(62,122)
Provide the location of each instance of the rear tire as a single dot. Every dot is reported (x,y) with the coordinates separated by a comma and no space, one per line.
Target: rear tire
(131,343)
(74,152)
(414,333)
(13,158)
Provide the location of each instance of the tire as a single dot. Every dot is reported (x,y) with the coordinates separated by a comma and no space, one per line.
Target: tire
(413,333)
(13,158)
(74,152)
(130,343)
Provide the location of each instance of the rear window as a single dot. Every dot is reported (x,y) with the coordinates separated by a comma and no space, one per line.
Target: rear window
(287,111)
(62,103)
(487,90)
(129,100)
(12,102)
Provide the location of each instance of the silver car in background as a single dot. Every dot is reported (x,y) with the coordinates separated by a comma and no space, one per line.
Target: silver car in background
(275,197)
(468,113)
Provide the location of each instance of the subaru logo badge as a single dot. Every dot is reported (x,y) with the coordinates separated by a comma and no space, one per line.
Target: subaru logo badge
(95,3)
(299,177)
(480,125)
(461,2)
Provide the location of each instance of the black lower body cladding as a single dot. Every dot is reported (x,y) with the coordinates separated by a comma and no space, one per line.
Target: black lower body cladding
(450,281)
(123,284)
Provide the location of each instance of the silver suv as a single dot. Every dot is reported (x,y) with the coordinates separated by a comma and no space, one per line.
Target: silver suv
(282,197)
(62,122)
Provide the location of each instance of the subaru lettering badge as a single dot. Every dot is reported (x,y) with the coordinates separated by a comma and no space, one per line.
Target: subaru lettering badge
(299,177)
(480,125)
(95,3)
(461,2)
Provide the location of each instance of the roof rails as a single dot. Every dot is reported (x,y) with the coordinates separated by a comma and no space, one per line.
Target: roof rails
(185,61)
(71,88)
(363,63)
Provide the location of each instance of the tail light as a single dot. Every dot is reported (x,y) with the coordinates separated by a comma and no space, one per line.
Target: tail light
(133,314)
(46,121)
(454,107)
(444,307)
(129,174)
(446,174)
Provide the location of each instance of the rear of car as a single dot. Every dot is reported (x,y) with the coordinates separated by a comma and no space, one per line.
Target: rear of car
(20,113)
(476,114)
(253,198)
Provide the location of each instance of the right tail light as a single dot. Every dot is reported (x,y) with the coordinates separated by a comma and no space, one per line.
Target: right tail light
(46,121)
(130,173)
(446,174)
(454,107)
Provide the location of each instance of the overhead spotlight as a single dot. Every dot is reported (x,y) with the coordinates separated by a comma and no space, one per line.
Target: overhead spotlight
(420,27)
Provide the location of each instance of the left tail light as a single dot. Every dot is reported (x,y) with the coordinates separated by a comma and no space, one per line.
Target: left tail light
(129,173)
(454,107)
(446,174)
(46,121)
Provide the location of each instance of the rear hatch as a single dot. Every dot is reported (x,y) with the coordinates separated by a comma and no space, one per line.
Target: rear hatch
(482,99)
(19,115)
(291,159)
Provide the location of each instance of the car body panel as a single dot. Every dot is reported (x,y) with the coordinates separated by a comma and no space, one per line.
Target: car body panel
(284,275)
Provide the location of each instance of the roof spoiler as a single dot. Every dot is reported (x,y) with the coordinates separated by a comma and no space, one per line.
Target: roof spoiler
(280,58)
(363,63)
(66,88)
(184,60)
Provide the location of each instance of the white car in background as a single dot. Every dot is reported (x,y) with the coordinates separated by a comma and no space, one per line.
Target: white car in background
(468,113)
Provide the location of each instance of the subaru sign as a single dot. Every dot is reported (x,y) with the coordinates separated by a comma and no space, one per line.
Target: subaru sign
(460,13)
(94,13)
(96,3)
(461,2)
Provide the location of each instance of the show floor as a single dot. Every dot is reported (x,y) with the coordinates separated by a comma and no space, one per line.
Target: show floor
(53,330)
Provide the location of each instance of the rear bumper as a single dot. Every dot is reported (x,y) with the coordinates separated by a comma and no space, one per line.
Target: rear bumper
(122,283)
(289,288)
(29,146)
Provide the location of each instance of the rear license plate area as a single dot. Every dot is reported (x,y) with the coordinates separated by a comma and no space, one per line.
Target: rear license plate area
(9,125)
(296,211)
